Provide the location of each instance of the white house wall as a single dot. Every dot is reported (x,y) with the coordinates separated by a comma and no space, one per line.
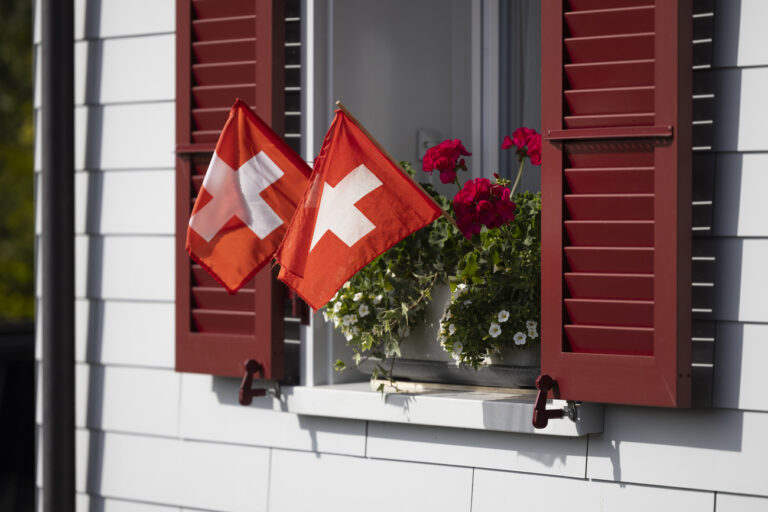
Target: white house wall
(152,440)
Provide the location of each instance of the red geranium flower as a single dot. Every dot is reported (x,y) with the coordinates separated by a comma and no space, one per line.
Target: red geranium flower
(446,158)
(482,203)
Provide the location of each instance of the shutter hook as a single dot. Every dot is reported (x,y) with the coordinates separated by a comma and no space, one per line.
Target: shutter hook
(542,415)
(247,392)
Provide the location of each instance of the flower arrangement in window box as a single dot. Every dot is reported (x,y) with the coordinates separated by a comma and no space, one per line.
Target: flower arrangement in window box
(490,258)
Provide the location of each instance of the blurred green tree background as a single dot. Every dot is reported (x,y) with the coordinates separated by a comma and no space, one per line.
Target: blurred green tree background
(17,289)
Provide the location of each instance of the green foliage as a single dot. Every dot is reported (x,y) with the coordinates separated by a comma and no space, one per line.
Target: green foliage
(16,163)
(496,292)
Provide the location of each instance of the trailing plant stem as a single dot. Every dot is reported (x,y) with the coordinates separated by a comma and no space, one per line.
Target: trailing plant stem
(519,175)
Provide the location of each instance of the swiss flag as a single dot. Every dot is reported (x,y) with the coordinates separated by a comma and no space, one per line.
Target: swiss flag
(358,204)
(249,193)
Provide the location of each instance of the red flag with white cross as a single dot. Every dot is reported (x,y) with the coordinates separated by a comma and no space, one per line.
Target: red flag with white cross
(359,203)
(249,194)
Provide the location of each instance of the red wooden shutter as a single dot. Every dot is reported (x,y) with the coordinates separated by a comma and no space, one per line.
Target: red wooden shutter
(225,49)
(616,182)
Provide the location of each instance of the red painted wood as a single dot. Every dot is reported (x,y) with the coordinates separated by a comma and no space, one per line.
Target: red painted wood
(225,49)
(609,312)
(610,21)
(609,207)
(637,233)
(609,120)
(218,29)
(616,341)
(609,286)
(610,101)
(588,5)
(223,73)
(607,181)
(215,297)
(616,293)
(601,75)
(630,260)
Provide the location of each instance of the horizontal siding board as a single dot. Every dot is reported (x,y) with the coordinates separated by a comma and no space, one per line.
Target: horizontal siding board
(740,283)
(124,202)
(123,70)
(564,456)
(740,208)
(210,412)
(496,491)
(735,503)
(740,109)
(310,481)
(86,503)
(166,471)
(741,352)
(125,136)
(717,450)
(740,35)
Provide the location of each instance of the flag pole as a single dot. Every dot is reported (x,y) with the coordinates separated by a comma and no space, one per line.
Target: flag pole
(394,162)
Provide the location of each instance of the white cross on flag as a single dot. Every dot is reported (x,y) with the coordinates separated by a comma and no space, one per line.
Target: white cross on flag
(249,193)
(358,204)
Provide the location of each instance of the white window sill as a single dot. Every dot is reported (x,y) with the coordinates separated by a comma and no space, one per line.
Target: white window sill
(506,410)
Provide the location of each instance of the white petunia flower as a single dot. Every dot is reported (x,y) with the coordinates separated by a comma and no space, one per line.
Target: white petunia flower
(377,299)
(451,329)
(363,310)
(519,338)
(467,302)
(531,325)
(337,307)
(460,290)
(442,339)
(503,315)
(325,315)
(495,330)
(346,285)
(448,314)
(347,320)
(533,334)
(348,335)
(357,296)
(336,321)
(458,348)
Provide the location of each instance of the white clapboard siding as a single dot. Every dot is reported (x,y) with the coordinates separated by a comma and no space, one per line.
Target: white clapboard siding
(564,456)
(741,283)
(129,333)
(85,503)
(741,352)
(124,399)
(131,136)
(740,37)
(116,18)
(124,267)
(125,202)
(126,69)
(740,109)
(496,491)
(735,503)
(740,207)
(166,471)
(210,411)
(309,481)
(717,450)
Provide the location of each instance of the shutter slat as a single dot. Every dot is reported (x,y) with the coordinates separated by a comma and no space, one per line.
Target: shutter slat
(222,8)
(634,119)
(609,340)
(202,136)
(223,73)
(219,299)
(224,51)
(611,21)
(221,29)
(609,207)
(603,75)
(221,96)
(622,100)
(223,322)
(617,313)
(609,233)
(631,260)
(209,118)
(589,5)
(607,181)
(610,155)
(609,286)
(610,48)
